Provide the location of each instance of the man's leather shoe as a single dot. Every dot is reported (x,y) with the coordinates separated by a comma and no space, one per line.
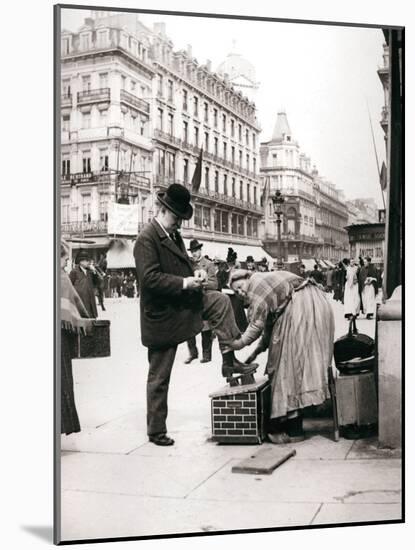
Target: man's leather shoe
(240,368)
(190,359)
(206,359)
(162,439)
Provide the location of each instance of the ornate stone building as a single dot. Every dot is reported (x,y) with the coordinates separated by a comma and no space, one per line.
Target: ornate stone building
(314,211)
(135,116)
(106,146)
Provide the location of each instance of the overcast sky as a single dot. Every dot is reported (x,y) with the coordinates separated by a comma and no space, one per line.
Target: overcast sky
(324,77)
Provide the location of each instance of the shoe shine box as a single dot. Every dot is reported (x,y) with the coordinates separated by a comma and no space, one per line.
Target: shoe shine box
(240,413)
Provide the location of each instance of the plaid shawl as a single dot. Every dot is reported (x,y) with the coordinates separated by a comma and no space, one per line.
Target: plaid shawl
(72,308)
(268,295)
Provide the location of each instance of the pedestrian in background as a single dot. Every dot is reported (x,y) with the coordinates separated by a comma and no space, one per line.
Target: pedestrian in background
(202,263)
(74,321)
(368,284)
(351,290)
(84,282)
(250,263)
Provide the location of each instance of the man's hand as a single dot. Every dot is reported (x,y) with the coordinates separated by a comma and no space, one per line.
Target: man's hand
(192,283)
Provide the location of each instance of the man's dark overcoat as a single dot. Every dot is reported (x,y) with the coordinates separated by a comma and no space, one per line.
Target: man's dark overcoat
(169,315)
(84,285)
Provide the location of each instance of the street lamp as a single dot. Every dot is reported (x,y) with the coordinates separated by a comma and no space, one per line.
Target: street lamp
(278,201)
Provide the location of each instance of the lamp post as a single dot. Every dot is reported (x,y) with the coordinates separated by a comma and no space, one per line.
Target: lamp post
(278,201)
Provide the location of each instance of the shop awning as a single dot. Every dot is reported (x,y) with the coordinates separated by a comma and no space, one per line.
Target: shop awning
(88,242)
(214,248)
(330,264)
(120,255)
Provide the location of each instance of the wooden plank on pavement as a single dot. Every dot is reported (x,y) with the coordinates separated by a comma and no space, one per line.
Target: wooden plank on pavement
(264,461)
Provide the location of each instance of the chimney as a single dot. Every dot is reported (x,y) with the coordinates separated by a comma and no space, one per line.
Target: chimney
(189,51)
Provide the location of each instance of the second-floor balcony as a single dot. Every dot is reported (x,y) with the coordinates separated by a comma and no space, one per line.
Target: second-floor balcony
(135,102)
(167,137)
(92,96)
(84,227)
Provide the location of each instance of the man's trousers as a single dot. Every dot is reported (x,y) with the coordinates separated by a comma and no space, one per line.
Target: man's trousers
(217,309)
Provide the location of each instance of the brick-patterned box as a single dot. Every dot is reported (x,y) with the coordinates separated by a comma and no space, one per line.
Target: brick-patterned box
(240,413)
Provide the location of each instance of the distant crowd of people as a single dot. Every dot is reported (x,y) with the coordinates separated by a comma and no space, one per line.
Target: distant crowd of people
(354,283)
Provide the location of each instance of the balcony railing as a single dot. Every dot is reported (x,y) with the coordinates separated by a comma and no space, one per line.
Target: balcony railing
(166,137)
(90,96)
(135,101)
(93,226)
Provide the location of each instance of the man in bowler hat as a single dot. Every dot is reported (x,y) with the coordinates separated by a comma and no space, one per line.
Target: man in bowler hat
(84,279)
(172,304)
(201,263)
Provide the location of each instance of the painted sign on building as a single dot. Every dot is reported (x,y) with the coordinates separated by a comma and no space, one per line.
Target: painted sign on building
(122,219)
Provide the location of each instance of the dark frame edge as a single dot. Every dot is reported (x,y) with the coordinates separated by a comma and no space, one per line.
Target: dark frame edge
(56,284)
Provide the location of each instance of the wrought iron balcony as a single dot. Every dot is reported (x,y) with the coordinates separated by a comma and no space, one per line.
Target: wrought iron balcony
(135,101)
(92,96)
(167,138)
(93,226)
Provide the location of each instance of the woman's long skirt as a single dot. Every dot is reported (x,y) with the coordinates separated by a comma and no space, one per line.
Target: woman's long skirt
(69,415)
(300,352)
(369,300)
(351,299)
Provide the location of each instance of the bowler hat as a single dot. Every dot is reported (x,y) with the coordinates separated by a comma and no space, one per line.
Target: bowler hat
(194,245)
(82,255)
(177,200)
(249,259)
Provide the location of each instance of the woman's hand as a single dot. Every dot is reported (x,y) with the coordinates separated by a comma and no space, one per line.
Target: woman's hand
(236,344)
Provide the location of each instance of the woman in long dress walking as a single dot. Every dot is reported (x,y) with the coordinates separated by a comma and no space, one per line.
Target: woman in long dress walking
(295,321)
(351,290)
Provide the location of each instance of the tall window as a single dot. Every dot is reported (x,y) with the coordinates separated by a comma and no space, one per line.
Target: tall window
(247,162)
(85,42)
(253,140)
(184,100)
(195,106)
(241,190)
(65,46)
(240,132)
(254,166)
(255,228)
(216,220)
(225,184)
(86,163)
(185,170)
(247,137)
(206,141)
(225,222)
(161,161)
(103,80)
(248,192)
(215,145)
(143,127)
(216,181)
(160,119)
(65,209)
(206,218)
(232,127)
(255,195)
(233,155)
(207,178)
(234,224)
(249,227)
(225,150)
(185,132)
(86,208)
(170,90)
(86,83)
(196,136)
(103,207)
(103,160)
(86,121)
(66,87)
(66,166)
(233,187)
(215,118)
(171,168)
(65,123)
(159,84)
(240,158)
(206,112)
(170,126)
(224,123)
(198,216)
